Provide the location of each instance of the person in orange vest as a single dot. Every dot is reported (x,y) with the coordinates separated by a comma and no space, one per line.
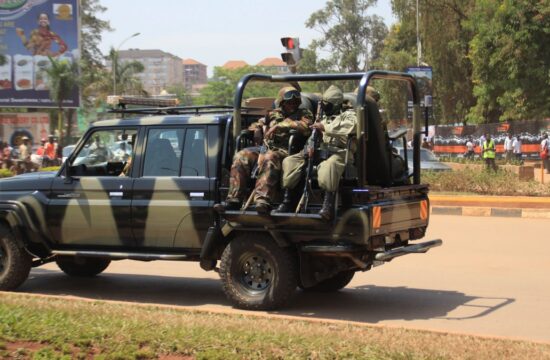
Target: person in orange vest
(488,152)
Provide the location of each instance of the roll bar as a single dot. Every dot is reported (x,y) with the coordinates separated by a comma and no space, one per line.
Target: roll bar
(364,79)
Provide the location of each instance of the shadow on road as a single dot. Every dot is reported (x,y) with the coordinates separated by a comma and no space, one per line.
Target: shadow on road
(369,304)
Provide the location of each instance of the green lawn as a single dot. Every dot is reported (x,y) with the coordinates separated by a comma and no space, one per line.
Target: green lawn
(45,328)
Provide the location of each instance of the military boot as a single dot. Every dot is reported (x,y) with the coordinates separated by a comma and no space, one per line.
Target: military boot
(230,204)
(286,205)
(327,211)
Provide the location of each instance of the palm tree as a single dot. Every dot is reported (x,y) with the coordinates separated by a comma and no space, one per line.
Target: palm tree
(125,71)
(63,80)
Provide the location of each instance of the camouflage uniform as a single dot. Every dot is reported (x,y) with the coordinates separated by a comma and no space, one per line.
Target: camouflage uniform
(335,137)
(329,172)
(269,163)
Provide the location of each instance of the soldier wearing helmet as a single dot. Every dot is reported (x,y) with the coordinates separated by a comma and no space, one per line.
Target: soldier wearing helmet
(288,115)
(336,124)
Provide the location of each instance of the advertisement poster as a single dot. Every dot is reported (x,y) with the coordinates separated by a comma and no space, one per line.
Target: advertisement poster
(423,75)
(32,31)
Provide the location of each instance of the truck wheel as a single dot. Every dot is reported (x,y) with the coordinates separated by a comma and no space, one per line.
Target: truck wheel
(82,266)
(257,274)
(15,262)
(335,283)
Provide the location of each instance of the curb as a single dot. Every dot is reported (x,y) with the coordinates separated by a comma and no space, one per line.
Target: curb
(491,211)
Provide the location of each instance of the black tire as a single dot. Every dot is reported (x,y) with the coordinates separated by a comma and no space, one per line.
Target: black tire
(15,262)
(257,274)
(335,283)
(82,266)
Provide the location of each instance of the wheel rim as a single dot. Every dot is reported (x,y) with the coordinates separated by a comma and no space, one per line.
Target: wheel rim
(256,273)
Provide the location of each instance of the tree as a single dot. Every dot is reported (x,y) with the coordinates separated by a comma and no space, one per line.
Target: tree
(221,90)
(126,80)
(445,39)
(511,60)
(64,78)
(181,94)
(92,71)
(352,38)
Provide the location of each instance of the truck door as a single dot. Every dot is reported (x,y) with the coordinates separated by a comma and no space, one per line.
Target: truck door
(173,198)
(92,206)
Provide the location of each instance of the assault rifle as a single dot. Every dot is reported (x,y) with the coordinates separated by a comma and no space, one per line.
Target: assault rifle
(310,150)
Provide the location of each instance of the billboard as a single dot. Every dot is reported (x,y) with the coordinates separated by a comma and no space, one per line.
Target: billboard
(423,75)
(13,126)
(31,31)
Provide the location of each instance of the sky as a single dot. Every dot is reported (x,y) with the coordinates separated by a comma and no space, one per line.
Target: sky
(214,31)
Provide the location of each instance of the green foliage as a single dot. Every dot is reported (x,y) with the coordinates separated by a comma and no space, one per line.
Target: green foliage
(511,60)
(353,38)
(181,94)
(127,82)
(445,46)
(469,180)
(221,90)
(92,72)
(4,173)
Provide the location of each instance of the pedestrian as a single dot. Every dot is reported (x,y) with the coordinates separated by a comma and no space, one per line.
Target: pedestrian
(470,149)
(287,116)
(488,153)
(41,149)
(335,126)
(516,145)
(24,147)
(508,148)
(544,145)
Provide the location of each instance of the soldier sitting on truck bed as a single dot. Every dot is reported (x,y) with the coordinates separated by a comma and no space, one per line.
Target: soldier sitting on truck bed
(335,126)
(280,121)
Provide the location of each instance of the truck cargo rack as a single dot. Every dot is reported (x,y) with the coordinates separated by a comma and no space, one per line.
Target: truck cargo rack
(179,110)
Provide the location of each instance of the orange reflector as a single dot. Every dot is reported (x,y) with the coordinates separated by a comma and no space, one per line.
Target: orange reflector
(424,210)
(376,217)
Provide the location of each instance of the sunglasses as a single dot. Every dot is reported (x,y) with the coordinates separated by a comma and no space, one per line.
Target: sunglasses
(293,94)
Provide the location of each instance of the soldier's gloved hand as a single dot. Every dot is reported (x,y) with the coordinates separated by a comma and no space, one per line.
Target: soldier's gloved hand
(319,126)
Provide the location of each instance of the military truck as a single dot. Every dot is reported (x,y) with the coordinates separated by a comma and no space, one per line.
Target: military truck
(143,186)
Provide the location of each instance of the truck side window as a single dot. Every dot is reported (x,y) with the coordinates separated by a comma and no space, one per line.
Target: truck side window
(162,152)
(194,153)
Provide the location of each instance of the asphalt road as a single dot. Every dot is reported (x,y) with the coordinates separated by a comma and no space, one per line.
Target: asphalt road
(490,277)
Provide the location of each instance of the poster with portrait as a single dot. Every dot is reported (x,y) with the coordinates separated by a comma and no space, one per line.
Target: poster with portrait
(32,33)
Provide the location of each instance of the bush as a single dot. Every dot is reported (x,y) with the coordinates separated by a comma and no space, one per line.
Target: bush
(50,168)
(484,182)
(4,173)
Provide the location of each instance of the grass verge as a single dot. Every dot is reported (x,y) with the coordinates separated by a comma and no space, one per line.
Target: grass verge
(500,183)
(44,328)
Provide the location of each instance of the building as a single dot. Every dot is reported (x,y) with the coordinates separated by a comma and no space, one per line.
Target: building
(162,69)
(234,64)
(194,73)
(275,64)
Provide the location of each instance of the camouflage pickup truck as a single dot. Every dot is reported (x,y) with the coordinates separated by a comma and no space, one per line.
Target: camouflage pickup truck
(143,187)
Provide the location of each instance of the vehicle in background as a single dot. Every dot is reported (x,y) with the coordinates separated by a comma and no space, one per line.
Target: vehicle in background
(66,152)
(428,160)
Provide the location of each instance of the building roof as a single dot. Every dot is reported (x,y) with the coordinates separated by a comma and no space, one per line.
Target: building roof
(191,62)
(234,64)
(271,61)
(145,53)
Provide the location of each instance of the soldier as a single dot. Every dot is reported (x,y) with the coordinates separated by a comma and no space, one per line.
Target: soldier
(280,121)
(335,125)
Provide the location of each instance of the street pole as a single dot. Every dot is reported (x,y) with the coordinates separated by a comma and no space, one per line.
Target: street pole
(418,44)
(115,56)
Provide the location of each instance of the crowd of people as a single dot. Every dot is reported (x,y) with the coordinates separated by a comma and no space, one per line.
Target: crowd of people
(21,158)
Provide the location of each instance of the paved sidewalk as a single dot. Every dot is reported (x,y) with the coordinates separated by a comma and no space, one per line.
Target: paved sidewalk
(503,206)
